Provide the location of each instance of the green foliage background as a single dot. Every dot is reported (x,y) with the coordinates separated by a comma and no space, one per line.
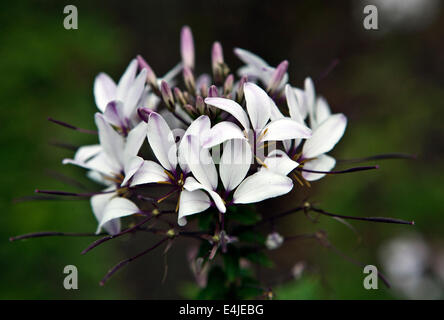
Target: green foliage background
(389,86)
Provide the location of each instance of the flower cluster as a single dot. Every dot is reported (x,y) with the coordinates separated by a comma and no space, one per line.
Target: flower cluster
(203,146)
(215,127)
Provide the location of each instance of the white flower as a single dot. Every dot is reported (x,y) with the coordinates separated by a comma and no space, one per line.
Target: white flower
(256,68)
(119,102)
(327,129)
(274,240)
(113,163)
(260,108)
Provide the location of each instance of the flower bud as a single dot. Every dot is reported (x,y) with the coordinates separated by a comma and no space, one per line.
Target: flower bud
(144,113)
(188,78)
(240,89)
(217,57)
(274,241)
(187,47)
(179,96)
(213,92)
(200,105)
(167,95)
(189,108)
(277,76)
(150,75)
(228,85)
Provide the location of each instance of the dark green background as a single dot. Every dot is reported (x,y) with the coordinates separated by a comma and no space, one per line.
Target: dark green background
(389,85)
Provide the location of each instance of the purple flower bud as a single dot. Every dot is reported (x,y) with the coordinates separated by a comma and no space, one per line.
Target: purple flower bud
(167,94)
(213,92)
(240,88)
(179,95)
(190,108)
(217,57)
(277,76)
(188,78)
(144,113)
(228,85)
(200,105)
(150,75)
(187,47)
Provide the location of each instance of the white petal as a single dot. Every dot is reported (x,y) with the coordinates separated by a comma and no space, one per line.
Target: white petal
(134,94)
(285,129)
(258,105)
(135,139)
(262,185)
(100,163)
(222,132)
(192,202)
(126,81)
(293,104)
(113,114)
(322,111)
(104,90)
(111,142)
(192,185)
(321,163)
(149,172)
(98,204)
(279,162)
(117,207)
(325,136)
(199,161)
(235,163)
(87,152)
(161,140)
(250,58)
(130,168)
(310,93)
(275,113)
(302,102)
(232,107)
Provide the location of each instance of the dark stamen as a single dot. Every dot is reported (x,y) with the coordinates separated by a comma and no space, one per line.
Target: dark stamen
(72,194)
(64,178)
(53,234)
(104,239)
(126,261)
(372,219)
(388,156)
(67,125)
(341,171)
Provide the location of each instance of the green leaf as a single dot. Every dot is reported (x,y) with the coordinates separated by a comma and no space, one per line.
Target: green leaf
(260,258)
(231,263)
(215,288)
(251,236)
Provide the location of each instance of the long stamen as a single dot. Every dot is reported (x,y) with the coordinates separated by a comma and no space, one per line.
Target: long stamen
(341,171)
(169,194)
(372,219)
(67,125)
(68,180)
(104,239)
(53,234)
(388,156)
(72,194)
(126,261)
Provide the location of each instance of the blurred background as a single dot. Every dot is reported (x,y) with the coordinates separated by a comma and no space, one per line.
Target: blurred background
(389,83)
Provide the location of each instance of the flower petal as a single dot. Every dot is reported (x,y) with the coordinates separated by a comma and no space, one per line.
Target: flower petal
(149,172)
(258,105)
(126,81)
(111,142)
(130,168)
(161,140)
(192,185)
(117,207)
(104,90)
(321,163)
(285,129)
(192,202)
(322,111)
(222,132)
(293,104)
(98,204)
(262,185)
(232,107)
(135,139)
(134,94)
(113,114)
(325,136)
(235,163)
(279,162)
